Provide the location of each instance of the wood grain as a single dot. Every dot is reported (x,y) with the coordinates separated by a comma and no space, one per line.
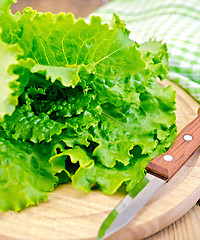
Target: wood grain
(73,215)
(186,228)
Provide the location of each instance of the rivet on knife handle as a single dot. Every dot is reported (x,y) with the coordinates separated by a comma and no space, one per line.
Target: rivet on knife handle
(187,142)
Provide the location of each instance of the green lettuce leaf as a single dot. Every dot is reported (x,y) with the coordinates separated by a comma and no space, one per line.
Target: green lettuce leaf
(127,128)
(68,76)
(26,174)
(25,125)
(59,40)
(80,102)
(61,162)
(156,57)
(8,55)
(9,22)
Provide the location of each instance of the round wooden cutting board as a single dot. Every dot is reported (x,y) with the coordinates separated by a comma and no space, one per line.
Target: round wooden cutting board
(73,215)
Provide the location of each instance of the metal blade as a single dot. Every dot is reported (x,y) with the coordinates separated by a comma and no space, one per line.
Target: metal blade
(130,205)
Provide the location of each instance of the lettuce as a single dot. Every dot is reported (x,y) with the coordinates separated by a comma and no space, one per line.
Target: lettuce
(78,102)
(7,98)
(26,174)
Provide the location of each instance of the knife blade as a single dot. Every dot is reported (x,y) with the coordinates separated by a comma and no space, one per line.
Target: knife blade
(159,171)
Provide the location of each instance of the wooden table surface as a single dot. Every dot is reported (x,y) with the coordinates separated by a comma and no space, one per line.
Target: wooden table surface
(187,227)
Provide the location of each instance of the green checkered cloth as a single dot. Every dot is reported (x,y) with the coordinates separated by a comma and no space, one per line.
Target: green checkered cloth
(175,22)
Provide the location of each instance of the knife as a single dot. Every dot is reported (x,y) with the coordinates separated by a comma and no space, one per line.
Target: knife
(159,171)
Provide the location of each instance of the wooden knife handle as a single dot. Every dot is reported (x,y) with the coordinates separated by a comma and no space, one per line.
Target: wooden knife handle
(187,142)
